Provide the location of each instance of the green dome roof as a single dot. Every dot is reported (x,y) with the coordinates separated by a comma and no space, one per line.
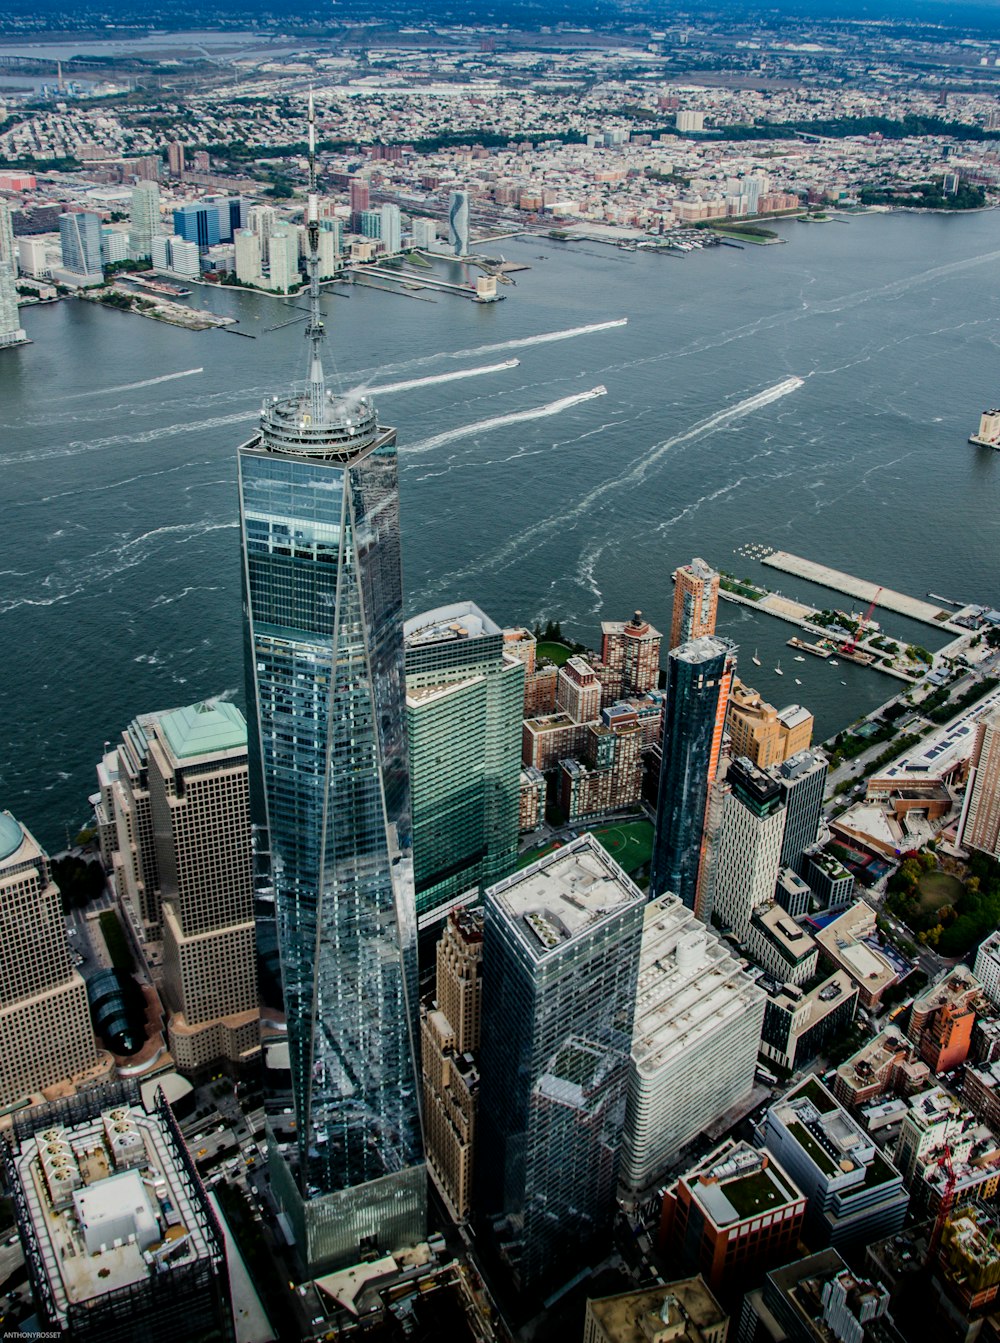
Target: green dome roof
(10,835)
(205,729)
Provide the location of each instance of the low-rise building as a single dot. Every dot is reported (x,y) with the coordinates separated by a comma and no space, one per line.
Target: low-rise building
(734,1214)
(941,1019)
(781,947)
(829,880)
(677,1312)
(816,1300)
(850,942)
(888,1065)
(854,1192)
(798,1023)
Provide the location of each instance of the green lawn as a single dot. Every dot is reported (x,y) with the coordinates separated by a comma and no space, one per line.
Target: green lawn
(115,941)
(938,889)
(557,653)
(630,844)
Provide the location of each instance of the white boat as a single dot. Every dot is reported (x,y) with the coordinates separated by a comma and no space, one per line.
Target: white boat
(797,681)
(834,663)
(799,658)
(755,659)
(843,683)
(778,671)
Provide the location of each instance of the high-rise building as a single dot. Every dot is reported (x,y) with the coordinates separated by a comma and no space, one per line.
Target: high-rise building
(323,595)
(199,804)
(799,1021)
(458,223)
(987,969)
(980,825)
(424,233)
(942,1017)
(144,217)
(699,674)
(749,846)
(609,774)
(80,243)
(463,712)
(125,825)
(578,691)
(283,253)
(631,649)
(360,201)
(263,220)
(8,246)
(802,778)
(392,230)
(331,244)
(560,959)
(120,1239)
(695,1037)
(854,1192)
(248,260)
(762,733)
(114,244)
(175,158)
(197,223)
(185,256)
(45,1031)
(696,601)
(370,224)
(817,1300)
(450,1032)
(11,330)
(676,1312)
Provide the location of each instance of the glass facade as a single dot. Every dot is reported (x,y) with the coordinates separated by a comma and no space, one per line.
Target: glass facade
(699,674)
(464,704)
(560,963)
(319,514)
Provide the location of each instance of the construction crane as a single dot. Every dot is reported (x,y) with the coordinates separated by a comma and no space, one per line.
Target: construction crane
(944,1207)
(851,644)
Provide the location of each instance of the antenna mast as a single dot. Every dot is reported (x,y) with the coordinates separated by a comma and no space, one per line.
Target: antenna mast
(314,330)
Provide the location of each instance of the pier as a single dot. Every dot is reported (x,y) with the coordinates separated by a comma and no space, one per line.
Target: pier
(862,589)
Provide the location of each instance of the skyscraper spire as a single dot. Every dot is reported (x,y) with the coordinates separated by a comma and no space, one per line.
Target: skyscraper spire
(314,330)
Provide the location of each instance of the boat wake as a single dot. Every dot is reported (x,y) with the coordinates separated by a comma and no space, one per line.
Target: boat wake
(388,387)
(500,421)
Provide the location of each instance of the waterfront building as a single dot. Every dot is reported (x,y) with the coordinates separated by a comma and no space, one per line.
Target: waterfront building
(199,805)
(578,691)
(11,330)
(424,234)
(695,1037)
(631,650)
(696,601)
(521,644)
(748,846)
(36,256)
(283,259)
(449,1034)
(942,1017)
(828,878)
(783,949)
(540,690)
(734,1214)
(980,823)
(322,592)
(120,1239)
(815,1300)
(184,256)
(458,223)
(762,733)
(854,1193)
(464,697)
(987,969)
(144,219)
(125,824)
(676,1312)
(392,230)
(197,223)
(45,1031)
(8,244)
(248,258)
(114,245)
(802,777)
(850,943)
(560,960)
(798,1024)
(699,674)
(263,220)
(80,245)
(175,158)
(331,244)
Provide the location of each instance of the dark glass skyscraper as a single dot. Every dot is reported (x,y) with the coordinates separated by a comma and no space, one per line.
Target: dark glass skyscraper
(699,674)
(319,518)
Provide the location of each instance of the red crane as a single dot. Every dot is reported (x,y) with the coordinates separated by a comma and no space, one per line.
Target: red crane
(944,1207)
(850,644)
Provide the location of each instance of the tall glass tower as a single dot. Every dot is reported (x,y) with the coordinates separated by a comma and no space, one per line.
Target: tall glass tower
(319,519)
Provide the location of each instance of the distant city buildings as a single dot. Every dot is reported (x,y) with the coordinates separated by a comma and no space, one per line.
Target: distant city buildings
(560,961)
(45,1033)
(80,244)
(144,215)
(696,602)
(699,674)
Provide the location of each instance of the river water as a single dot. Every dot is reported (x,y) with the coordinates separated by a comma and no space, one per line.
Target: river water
(815,397)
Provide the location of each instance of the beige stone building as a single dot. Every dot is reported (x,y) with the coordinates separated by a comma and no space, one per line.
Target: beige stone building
(762,733)
(199,801)
(678,1312)
(125,828)
(449,1040)
(45,1033)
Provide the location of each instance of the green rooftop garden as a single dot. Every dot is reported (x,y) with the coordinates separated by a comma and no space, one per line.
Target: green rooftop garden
(754,1193)
(819,1154)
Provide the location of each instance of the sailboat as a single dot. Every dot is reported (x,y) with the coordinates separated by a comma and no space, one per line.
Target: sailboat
(755,659)
(778,671)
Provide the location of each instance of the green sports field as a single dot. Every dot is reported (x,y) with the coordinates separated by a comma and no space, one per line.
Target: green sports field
(630,844)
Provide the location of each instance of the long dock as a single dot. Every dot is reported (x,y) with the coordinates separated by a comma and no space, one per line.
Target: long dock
(862,589)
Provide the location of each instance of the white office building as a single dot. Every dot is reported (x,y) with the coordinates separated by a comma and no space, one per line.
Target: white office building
(749,845)
(284,258)
(263,220)
(11,330)
(987,969)
(698,1019)
(392,230)
(184,257)
(248,262)
(144,216)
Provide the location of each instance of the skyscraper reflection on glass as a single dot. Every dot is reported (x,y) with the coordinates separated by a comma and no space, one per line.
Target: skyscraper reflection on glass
(319,516)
